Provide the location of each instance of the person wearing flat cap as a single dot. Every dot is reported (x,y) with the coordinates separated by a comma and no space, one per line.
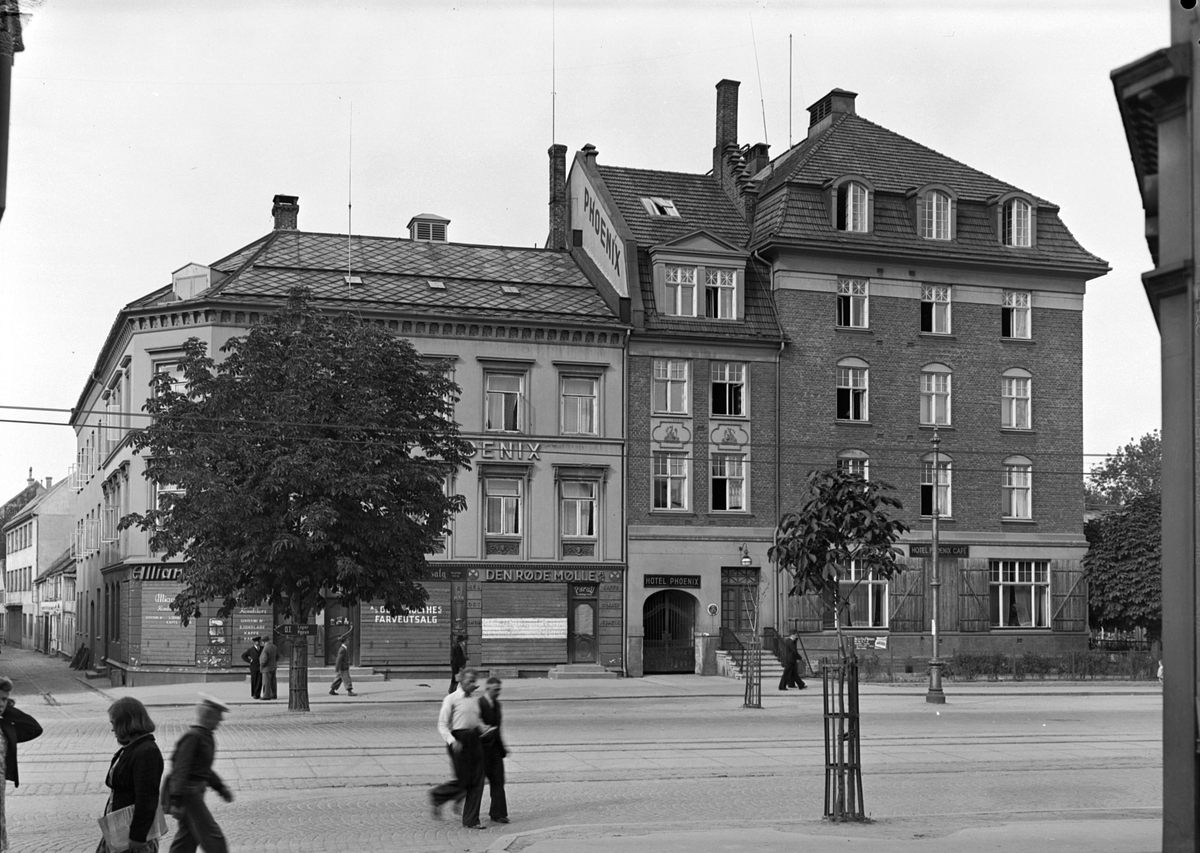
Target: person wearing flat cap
(192,775)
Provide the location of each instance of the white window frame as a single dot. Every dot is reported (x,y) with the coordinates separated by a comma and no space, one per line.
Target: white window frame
(1017,314)
(496,501)
(579,510)
(1012,583)
(501,395)
(668,375)
(853,201)
(727,477)
(681,283)
(935,320)
(1016,399)
(853,303)
(1018,223)
(944,499)
(853,382)
(585,407)
(728,384)
(1018,488)
(722,283)
(659,206)
(854,462)
(860,585)
(935,216)
(670,470)
(937,382)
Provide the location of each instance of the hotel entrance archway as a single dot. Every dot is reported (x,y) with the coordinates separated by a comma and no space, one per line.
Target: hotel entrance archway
(669,621)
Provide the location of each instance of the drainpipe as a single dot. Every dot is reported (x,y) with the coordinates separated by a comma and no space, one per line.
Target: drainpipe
(779,596)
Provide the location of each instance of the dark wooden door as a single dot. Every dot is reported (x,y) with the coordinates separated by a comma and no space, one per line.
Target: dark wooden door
(581,619)
(669,624)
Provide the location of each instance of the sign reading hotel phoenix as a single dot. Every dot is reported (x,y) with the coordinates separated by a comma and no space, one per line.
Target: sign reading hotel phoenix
(601,240)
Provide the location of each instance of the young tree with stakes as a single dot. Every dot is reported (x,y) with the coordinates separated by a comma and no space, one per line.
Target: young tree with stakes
(846,519)
(308,463)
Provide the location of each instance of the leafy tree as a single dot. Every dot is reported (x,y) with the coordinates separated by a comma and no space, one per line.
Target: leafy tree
(310,462)
(845,518)
(1124,567)
(1135,469)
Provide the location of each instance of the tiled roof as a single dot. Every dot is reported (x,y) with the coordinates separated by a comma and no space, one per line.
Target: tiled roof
(893,163)
(799,214)
(701,203)
(759,323)
(395,275)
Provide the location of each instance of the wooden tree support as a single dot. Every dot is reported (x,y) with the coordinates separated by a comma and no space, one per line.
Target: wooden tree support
(843,753)
(752,670)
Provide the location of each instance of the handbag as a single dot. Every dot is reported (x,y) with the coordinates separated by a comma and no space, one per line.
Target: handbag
(115,827)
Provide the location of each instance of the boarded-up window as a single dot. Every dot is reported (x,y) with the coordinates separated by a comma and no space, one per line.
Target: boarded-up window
(908,598)
(524,623)
(419,637)
(973,596)
(165,642)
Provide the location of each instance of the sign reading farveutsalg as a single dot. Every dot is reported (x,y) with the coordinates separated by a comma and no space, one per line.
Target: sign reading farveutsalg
(686,581)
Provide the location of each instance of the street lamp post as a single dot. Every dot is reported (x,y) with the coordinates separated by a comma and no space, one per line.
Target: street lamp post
(935,695)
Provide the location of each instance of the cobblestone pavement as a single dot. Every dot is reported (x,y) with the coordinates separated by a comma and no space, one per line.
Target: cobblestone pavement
(350,777)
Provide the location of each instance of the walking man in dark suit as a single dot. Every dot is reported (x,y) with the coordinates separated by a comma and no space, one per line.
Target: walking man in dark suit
(459,726)
(269,661)
(494,750)
(252,656)
(458,659)
(791,657)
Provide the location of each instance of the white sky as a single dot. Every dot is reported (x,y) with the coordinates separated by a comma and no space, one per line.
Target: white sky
(146,135)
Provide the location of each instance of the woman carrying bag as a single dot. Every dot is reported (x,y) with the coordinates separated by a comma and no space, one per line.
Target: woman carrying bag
(134,775)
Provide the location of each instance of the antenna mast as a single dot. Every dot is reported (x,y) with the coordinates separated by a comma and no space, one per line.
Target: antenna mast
(789,90)
(761,99)
(350,197)
(553,76)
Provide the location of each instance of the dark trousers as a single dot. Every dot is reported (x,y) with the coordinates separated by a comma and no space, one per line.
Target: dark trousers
(255,683)
(493,771)
(790,678)
(453,681)
(197,827)
(467,784)
(270,687)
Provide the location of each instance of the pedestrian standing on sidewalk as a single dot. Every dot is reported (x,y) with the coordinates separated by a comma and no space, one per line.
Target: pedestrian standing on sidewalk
(791,660)
(494,750)
(135,773)
(342,666)
(458,659)
(253,656)
(191,776)
(15,727)
(269,661)
(458,724)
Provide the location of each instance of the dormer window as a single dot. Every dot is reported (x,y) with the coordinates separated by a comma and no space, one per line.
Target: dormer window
(657,206)
(719,290)
(681,291)
(428,228)
(935,216)
(1017,226)
(852,199)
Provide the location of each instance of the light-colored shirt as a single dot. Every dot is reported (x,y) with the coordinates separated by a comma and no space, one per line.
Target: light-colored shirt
(459,711)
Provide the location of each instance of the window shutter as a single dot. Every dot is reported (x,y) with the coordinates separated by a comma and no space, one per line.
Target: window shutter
(803,613)
(906,592)
(974,596)
(1068,596)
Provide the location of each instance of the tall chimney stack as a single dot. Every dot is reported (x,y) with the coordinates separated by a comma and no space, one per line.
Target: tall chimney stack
(727,120)
(286,212)
(558,238)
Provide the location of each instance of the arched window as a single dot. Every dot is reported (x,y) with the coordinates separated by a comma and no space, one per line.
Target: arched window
(1016,388)
(935,216)
(1018,488)
(854,462)
(853,206)
(936,469)
(852,390)
(1017,223)
(935,395)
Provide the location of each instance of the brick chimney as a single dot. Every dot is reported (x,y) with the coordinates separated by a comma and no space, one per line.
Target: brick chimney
(822,114)
(49,482)
(727,116)
(558,237)
(286,212)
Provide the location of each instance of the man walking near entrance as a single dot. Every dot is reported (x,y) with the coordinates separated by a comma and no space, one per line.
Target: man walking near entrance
(494,750)
(269,660)
(791,659)
(458,659)
(252,656)
(191,776)
(458,724)
(342,667)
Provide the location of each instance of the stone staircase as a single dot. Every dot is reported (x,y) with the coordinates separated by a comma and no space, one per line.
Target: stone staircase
(727,665)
